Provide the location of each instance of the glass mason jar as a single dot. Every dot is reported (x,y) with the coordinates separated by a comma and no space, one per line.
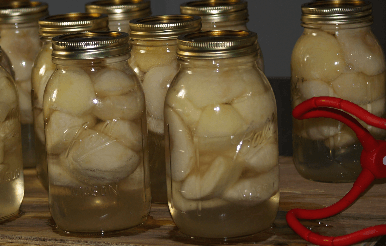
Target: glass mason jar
(222,15)
(19,31)
(154,59)
(95,128)
(339,56)
(43,68)
(221,138)
(11,160)
(120,12)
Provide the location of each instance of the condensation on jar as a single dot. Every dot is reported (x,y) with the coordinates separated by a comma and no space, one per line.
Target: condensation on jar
(154,59)
(95,128)
(120,12)
(338,56)
(19,31)
(221,138)
(222,15)
(43,68)
(11,158)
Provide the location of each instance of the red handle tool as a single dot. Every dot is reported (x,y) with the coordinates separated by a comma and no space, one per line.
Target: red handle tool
(373,162)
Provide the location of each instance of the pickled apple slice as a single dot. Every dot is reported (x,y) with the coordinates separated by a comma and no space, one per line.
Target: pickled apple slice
(315,88)
(149,57)
(4,110)
(126,132)
(209,182)
(127,107)
(182,151)
(359,88)
(317,56)
(155,125)
(62,128)
(112,82)
(179,202)
(155,85)
(362,50)
(7,92)
(188,112)
(256,110)
(99,158)
(71,91)
(252,191)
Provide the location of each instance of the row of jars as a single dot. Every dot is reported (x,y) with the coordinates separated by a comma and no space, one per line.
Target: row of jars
(199,103)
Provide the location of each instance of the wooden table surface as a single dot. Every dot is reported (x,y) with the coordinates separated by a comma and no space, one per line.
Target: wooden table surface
(34,225)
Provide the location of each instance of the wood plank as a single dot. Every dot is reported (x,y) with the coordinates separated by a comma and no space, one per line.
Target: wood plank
(34,225)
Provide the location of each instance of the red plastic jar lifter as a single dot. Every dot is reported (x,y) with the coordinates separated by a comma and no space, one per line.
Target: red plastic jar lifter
(373,162)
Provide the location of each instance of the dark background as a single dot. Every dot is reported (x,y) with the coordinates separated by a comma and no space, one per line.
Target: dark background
(277,23)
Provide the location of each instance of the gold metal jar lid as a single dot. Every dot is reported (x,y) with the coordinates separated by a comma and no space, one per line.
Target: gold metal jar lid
(217,44)
(55,25)
(120,9)
(90,45)
(164,26)
(337,12)
(22,11)
(217,10)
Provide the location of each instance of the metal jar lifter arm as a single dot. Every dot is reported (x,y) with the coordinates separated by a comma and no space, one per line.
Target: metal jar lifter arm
(373,162)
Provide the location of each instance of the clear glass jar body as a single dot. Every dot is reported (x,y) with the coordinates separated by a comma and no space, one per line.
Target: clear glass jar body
(342,61)
(21,43)
(42,70)
(221,148)
(233,25)
(155,63)
(95,128)
(11,162)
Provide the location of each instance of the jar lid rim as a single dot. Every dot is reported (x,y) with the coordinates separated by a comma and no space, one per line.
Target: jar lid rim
(21,12)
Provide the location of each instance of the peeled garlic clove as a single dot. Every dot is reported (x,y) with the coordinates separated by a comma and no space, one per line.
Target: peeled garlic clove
(99,158)
(182,151)
(126,132)
(362,50)
(155,125)
(62,128)
(7,92)
(212,181)
(112,82)
(151,57)
(180,203)
(4,110)
(39,127)
(321,128)
(358,87)
(252,191)
(188,112)
(326,62)
(70,91)
(155,85)
(344,138)
(256,110)
(59,173)
(127,107)
(315,88)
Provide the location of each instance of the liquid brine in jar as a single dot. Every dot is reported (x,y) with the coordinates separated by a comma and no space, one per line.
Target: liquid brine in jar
(120,12)
(154,59)
(19,31)
(338,56)
(222,15)
(95,127)
(11,159)
(221,138)
(43,68)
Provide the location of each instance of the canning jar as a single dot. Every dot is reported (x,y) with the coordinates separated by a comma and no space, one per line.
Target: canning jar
(154,59)
(120,12)
(43,68)
(222,15)
(11,160)
(95,128)
(221,138)
(337,55)
(19,31)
